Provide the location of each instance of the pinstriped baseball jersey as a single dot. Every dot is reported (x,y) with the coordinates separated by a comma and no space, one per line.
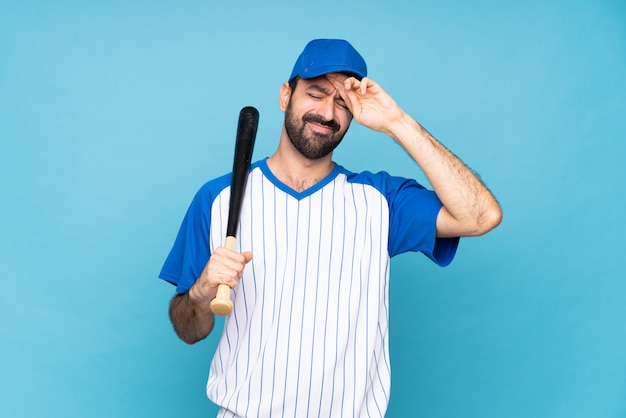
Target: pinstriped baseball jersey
(308,336)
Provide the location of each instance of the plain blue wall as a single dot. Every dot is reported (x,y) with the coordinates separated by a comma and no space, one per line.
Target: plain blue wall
(113,113)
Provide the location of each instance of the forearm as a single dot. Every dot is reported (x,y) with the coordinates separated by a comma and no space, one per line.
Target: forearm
(191,316)
(469,207)
(190,312)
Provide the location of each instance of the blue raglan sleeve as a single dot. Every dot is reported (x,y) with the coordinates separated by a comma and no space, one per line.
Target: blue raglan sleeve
(413,212)
(191,249)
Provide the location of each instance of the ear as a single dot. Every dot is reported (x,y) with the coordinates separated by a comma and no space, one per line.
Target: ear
(285,96)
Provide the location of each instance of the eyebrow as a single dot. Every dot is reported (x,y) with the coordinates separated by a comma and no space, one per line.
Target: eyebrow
(319,88)
(324,90)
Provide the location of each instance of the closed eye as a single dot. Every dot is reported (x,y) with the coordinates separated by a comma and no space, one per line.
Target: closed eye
(318,92)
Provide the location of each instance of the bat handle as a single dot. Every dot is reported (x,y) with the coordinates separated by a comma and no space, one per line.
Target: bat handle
(222,305)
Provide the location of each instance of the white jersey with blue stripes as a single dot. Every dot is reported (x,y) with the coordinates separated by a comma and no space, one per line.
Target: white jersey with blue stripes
(308,335)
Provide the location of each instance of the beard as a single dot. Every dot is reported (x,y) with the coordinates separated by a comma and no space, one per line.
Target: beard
(313,145)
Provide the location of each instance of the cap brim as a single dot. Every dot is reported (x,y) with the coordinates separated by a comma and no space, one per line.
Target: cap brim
(327,70)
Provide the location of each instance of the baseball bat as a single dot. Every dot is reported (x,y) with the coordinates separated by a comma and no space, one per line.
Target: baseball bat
(244,145)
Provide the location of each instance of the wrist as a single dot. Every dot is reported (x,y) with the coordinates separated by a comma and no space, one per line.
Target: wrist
(404,127)
(197,296)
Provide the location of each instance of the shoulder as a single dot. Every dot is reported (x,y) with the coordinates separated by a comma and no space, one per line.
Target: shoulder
(382,181)
(212,188)
(216,185)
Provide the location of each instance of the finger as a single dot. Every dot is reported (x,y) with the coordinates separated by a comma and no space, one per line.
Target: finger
(340,82)
(231,255)
(220,274)
(364,83)
(350,83)
(229,263)
(336,77)
(248,256)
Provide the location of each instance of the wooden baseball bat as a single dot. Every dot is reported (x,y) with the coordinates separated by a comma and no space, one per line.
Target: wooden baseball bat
(244,145)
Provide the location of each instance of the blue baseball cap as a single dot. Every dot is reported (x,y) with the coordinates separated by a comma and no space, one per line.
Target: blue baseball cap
(323,56)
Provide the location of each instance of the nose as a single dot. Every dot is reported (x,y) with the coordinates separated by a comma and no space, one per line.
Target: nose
(327,109)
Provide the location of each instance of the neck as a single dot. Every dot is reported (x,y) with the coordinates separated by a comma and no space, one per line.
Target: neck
(295,170)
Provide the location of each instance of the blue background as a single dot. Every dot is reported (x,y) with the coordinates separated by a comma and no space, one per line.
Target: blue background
(112,114)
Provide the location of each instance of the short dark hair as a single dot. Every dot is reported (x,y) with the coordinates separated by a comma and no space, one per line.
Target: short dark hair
(293,83)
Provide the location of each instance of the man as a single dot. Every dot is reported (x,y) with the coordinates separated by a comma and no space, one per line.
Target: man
(308,335)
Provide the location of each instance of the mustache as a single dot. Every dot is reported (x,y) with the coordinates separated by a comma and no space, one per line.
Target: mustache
(332,124)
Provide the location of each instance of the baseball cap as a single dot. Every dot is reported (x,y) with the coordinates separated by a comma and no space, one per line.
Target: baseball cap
(323,56)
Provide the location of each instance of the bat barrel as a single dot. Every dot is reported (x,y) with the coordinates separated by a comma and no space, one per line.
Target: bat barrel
(246,135)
